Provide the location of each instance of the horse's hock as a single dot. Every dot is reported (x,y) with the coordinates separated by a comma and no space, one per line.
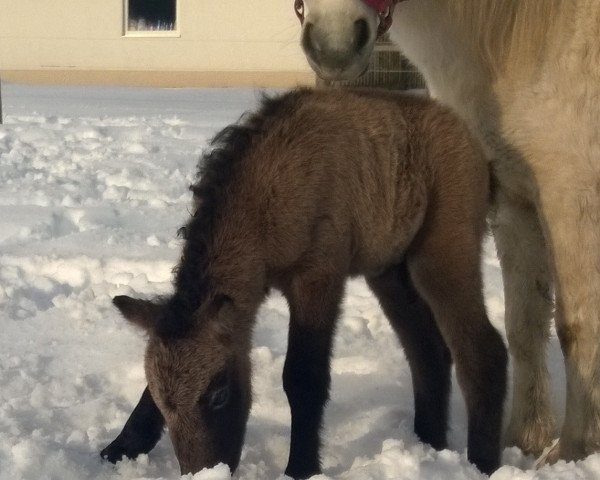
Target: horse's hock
(388,68)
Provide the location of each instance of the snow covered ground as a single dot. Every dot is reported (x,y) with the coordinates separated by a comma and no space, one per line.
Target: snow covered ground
(93,187)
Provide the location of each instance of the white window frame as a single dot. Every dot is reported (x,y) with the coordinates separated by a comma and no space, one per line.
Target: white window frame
(150,33)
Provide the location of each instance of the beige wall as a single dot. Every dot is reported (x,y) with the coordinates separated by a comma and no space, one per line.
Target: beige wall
(82,41)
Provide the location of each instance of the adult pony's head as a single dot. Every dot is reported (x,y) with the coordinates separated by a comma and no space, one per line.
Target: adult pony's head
(338,36)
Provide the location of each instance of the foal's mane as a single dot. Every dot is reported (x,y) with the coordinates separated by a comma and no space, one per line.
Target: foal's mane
(216,172)
(508,33)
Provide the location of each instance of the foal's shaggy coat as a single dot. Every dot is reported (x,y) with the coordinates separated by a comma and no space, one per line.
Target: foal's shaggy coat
(315,187)
(525,75)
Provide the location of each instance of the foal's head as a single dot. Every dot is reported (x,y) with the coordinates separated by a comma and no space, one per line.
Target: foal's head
(199,378)
(338,36)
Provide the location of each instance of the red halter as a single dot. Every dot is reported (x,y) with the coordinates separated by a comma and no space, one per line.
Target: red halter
(380,6)
(384,8)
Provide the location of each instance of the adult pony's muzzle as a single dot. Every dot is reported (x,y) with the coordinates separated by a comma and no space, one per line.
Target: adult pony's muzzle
(338,37)
(332,59)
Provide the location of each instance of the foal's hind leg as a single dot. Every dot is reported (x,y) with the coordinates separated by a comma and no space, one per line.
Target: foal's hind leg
(446,272)
(528,299)
(140,434)
(314,301)
(425,349)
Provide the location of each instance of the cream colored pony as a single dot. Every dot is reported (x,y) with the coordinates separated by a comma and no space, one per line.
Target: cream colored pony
(525,74)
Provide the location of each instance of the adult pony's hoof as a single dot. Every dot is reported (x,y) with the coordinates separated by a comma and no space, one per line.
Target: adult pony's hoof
(126,447)
(549,456)
(532,429)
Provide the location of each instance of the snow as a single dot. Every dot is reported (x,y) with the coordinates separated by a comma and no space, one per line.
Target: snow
(93,187)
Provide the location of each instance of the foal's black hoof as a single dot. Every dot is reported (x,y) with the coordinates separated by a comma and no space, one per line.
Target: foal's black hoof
(302,472)
(486,465)
(115,452)
(125,448)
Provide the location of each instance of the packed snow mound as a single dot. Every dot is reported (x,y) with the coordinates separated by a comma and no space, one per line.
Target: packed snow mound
(93,187)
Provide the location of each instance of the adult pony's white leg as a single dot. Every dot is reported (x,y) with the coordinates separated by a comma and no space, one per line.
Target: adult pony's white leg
(528,308)
(570,205)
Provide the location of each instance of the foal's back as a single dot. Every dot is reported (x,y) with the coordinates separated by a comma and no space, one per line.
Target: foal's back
(362,171)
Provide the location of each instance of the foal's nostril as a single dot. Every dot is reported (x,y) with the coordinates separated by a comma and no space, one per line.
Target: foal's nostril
(361,34)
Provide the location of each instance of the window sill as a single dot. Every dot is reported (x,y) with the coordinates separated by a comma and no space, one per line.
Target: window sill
(152,34)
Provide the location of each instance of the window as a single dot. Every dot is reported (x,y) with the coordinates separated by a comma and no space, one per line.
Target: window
(150,16)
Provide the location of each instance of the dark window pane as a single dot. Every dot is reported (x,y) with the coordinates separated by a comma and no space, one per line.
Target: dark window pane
(151,15)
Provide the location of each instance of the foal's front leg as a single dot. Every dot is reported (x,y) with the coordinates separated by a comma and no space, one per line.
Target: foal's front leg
(140,434)
(314,303)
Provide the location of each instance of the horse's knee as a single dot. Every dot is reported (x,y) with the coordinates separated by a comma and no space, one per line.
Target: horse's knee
(305,384)
(521,343)
(483,371)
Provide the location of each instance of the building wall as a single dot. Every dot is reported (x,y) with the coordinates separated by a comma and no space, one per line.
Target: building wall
(219,42)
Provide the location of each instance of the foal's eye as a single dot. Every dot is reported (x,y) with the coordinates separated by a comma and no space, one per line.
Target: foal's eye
(218,398)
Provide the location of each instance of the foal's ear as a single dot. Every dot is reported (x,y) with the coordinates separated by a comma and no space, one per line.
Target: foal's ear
(222,315)
(142,313)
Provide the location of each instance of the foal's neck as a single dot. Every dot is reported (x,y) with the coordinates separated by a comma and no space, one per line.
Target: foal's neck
(237,261)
